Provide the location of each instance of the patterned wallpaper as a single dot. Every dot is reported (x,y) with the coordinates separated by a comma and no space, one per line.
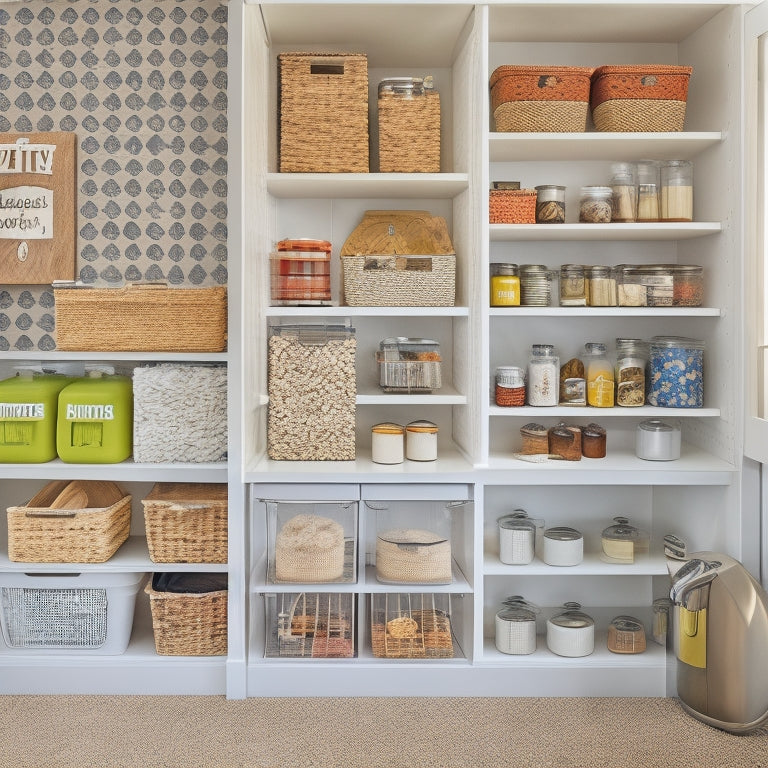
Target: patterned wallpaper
(143,85)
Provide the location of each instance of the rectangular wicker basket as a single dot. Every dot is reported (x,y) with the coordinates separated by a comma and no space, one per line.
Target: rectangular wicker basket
(141,318)
(552,99)
(323,109)
(186,522)
(399,281)
(639,98)
(512,206)
(409,134)
(38,533)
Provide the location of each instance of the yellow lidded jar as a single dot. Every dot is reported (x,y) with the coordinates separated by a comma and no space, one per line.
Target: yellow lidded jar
(505,285)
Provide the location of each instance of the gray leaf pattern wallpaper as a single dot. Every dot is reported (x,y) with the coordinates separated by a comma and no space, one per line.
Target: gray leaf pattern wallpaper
(143,85)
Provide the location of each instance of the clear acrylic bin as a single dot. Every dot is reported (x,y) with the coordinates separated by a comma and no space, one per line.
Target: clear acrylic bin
(409,365)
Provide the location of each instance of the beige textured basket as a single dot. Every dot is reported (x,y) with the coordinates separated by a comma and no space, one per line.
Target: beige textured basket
(409,133)
(189,624)
(40,533)
(309,549)
(141,318)
(405,556)
(186,522)
(323,112)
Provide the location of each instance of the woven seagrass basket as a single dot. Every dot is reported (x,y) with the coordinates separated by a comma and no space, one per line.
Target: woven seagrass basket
(141,318)
(639,98)
(189,624)
(409,134)
(323,112)
(186,522)
(552,99)
(512,206)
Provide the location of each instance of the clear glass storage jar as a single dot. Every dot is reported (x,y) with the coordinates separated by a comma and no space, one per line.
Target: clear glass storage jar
(624,192)
(676,199)
(622,542)
(647,191)
(648,285)
(601,289)
(535,285)
(599,375)
(543,385)
(677,372)
(516,626)
(687,285)
(505,285)
(631,364)
(574,288)
(550,204)
(595,205)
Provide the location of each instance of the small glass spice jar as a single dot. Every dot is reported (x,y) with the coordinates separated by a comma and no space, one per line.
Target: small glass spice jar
(624,188)
(505,285)
(510,386)
(543,386)
(421,441)
(387,443)
(687,285)
(516,626)
(602,286)
(574,288)
(676,199)
(550,204)
(595,205)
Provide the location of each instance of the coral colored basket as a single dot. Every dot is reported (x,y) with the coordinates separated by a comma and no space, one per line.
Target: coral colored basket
(639,98)
(512,206)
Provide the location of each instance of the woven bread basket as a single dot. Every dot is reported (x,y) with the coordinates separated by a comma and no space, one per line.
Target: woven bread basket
(552,99)
(512,206)
(639,98)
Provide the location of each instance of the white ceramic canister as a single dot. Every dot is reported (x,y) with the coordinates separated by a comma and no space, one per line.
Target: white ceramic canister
(517,538)
(562,546)
(657,440)
(571,633)
(387,443)
(421,441)
(516,626)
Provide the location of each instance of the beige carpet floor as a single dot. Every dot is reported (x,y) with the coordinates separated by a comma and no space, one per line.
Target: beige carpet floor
(211,732)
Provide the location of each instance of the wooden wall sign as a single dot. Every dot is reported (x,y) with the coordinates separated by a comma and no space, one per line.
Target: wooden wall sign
(37,208)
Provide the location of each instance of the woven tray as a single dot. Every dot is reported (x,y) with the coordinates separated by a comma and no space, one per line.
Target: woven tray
(409,134)
(429,639)
(639,98)
(186,522)
(323,112)
(40,533)
(189,624)
(555,99)
(512,206)
(141,318)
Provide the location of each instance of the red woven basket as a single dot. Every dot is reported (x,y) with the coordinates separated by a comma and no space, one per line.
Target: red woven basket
(512,206)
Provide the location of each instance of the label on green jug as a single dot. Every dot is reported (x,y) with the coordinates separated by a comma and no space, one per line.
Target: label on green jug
(90,412)
(22,411)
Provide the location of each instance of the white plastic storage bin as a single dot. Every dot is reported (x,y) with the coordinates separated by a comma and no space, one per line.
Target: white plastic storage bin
(77,613)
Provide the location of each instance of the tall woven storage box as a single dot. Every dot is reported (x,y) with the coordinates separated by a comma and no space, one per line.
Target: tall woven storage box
(639,98)
(323,112)
(186,522)
(141,318)
(553,99)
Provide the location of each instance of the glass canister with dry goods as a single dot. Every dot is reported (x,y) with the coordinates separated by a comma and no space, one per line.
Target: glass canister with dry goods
(677,372)
(535,285)
(631,365)
(602,286)
(595,205)
(574,286)
(599,375)
(543,376)
(647,191)
(622,542)
(516,626)
(624,192)
(509,386)
(550,204)
(676,200)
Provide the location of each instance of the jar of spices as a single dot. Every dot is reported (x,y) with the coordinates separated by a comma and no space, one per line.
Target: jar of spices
(647,191)
(599,375)
(595,205)
(687,285)
(624,192)
(631,363)
(574,288)
(535,285)
(517,537)
(387,443)
(421,441)
(543,376)
(505,285)
(677,372)
(676,200)
(550,204)
(626,634)
(571,633)
(510,386)
(601,288)
(516,626)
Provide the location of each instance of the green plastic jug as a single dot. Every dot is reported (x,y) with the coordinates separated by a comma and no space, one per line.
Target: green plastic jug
(28,403)
(95,420)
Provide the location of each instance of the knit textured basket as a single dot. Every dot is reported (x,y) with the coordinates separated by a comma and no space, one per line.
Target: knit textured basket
(189,624)
(639,98)
(141,318)
(405,556)
(553,99)
(323,112)
(309,549)
(186,522)
(512,206)
(409,133)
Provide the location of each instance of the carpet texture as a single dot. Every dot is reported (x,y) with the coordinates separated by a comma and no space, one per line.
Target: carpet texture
(211,732)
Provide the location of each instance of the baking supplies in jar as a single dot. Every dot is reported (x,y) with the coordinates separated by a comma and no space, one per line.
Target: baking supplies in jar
(550,204)
(593,441)
(624,192)
(626,634)
(565,442)
(595,205)
(648,285)
(622,542)
(300,273)
(687,285)
(676,372)
(574,287)
(413,556)
(676,200)
(535,285)
(662,607)
(543,376)
(562,546)
(509,386)
(571,633)
(516,626)
(409,365)
(573,384)
(631,364)
(657,440)
(647,191)
(387,443)
(599,375)
(505,285)
(517,537)
(421,441)
(535,439)
(601,289)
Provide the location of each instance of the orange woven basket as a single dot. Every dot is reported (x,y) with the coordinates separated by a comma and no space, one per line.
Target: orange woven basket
(512,206)
(540,99)
(639,98)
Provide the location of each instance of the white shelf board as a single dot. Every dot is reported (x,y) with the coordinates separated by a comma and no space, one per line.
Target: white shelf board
(627,147)
(366,311)
(610,232)
(446,395)
(154,357)
(126,471)
(676,312)
(592,565)
(367,185)
(644,411)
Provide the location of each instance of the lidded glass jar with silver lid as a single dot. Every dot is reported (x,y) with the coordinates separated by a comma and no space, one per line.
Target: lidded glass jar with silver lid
(562,545)
(516,626)
(571,633)
(535,285)
(622,542)
(405,87)
(517,537)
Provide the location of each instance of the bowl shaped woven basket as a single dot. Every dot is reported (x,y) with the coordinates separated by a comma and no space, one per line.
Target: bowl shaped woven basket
(639,98)
(550,99)
(512,206)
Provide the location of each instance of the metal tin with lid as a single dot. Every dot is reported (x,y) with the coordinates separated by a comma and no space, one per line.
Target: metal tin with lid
(562,546)
(516,626)
(626,634)
(571,633)
(657,440)
(622,542)
(517,537)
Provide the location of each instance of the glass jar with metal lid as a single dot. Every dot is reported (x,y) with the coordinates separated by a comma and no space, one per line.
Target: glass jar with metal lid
(571,633)
(421,441)
(574,288)
(562,546)
(687,285)
(387,443)
(602,286)
(676,372)
(631,364)
(509,386)
(535,285)
(517,537)
(543,384)
(405,87)
(550,204)
(622,542)
(516,626)
(595,205)
(626,634)
(657,440)
(505,285)
(647,285)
